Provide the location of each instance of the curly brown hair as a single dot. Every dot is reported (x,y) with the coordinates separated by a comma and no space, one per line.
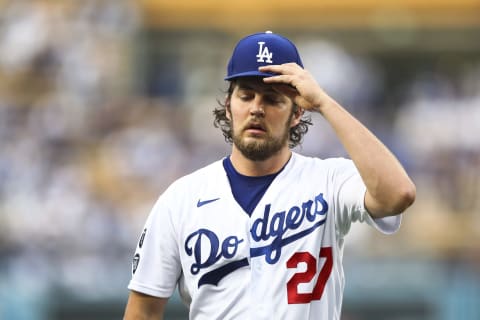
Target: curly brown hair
(221,121)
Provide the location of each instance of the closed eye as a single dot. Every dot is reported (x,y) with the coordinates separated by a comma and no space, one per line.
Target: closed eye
(272,100)
(245,95)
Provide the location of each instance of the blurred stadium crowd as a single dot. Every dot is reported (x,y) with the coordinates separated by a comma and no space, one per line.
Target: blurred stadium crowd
(88,143)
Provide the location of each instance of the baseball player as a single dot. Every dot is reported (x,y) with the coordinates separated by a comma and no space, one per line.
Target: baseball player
(259,234)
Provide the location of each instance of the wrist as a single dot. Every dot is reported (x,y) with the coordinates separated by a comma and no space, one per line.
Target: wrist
(322,103)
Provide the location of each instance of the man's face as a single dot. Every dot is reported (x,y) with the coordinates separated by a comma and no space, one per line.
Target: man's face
(261,117)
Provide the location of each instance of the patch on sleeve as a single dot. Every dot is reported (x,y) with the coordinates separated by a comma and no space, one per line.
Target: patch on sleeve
(136,260)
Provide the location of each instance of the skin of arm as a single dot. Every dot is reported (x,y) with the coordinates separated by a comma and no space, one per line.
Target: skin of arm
(144,307)
(390,191)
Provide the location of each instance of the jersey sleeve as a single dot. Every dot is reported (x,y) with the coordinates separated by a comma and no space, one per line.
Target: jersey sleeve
(349,191)
(156,264)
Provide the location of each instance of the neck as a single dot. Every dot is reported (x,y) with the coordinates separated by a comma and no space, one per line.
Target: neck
(253,168)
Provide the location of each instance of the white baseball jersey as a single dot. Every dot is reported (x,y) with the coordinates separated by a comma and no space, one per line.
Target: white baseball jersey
(282,262)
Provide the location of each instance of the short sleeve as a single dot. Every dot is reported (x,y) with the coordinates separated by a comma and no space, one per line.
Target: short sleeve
(156,264)
(349,198)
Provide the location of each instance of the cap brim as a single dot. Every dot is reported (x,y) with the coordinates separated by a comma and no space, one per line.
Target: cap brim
(249,74)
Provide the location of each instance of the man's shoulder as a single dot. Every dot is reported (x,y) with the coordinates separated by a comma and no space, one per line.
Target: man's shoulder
(309,167)
(332,162)
(208,170)
(200,176)
(193,184)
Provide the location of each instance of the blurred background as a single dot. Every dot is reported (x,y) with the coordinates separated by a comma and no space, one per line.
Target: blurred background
(104,103)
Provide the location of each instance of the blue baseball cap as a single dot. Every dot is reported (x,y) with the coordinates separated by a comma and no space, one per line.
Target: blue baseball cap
(258,50)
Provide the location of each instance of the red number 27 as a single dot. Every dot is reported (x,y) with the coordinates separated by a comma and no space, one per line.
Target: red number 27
(305,277)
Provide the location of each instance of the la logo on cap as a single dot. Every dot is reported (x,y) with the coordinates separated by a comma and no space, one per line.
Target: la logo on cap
(257,50)
(264,53)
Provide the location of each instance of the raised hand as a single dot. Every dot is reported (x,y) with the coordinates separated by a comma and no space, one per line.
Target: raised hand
(298,84)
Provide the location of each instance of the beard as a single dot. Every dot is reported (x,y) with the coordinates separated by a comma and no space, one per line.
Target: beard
(259,149)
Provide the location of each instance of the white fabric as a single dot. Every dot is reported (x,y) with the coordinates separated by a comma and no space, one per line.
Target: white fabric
(295,231)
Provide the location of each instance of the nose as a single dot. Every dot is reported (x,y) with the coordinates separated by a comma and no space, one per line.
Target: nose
(257,108)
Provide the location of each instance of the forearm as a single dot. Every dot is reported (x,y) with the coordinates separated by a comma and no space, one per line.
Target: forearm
(144,307)
(389,189)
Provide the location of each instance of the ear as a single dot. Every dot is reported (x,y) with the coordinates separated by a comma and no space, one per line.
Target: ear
(228,113)
(297,115)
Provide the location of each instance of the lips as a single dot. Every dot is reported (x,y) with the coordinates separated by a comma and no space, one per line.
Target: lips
(255,127)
